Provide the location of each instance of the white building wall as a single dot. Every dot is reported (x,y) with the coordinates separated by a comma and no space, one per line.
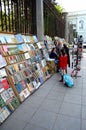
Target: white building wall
(79,20)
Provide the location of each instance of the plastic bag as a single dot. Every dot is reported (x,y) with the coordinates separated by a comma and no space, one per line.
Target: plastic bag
(68,80)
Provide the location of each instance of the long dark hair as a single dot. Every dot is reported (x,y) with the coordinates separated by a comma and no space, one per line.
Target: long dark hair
(63,52)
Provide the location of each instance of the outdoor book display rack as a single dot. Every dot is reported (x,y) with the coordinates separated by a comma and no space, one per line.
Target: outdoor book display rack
(76,61)
(23,69)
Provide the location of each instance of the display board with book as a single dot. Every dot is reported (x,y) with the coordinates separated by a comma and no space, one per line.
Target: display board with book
(8,99)
(23,69)
(26,65)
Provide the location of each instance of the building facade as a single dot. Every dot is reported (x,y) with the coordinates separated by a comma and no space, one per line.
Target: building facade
(76,25)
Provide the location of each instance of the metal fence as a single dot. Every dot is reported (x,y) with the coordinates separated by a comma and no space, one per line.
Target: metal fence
(16,16)
(20,16)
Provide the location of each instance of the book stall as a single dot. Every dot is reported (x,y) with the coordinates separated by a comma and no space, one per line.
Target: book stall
(23,68)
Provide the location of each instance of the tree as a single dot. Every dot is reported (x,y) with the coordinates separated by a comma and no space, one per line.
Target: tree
(59,8)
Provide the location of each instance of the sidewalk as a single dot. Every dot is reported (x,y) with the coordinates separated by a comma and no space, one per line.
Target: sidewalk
(53,106)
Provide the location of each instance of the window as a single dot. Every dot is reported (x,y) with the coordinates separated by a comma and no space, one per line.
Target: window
(81,24)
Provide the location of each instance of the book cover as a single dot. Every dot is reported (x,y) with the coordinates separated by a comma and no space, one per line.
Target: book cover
(13,39)
(2,118)
(5,84)
(30,87)
(18,77)
(35,38)
(26,39)
(8,38)
(23,84)
(23,47)
(39,45)
(31,39)
(32,46)
(21,66)
(27,56)
(2,61)
(5,112)
(11,92)
(11,69)
(5,96)
(26,93)
(16,68)
(2,103)
(22,97)
(19,38)
(5,48)
(18,87)
(11,107)
(2,39)
(2,73)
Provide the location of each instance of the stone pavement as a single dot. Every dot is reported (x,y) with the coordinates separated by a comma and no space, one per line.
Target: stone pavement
(53,106)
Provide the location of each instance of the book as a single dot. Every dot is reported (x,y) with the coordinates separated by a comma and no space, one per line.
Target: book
(5,48)
(18,77)
(5,96)
(11,92)
(30,87)
(8,38)
(19,87)
(2,103)
(22,97)
(2,61)
(3,73)
(11,69)
(27,56)
(39,45)
(2,39)
(10,107)
(35,38)
(16,68)
(5,83)
(23,84)
(19,38)
(32,46)
(31,39)
(26,92)
(26,39)
(5,112)
(22,47)
(21,66)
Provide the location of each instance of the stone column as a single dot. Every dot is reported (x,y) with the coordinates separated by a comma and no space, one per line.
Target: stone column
(66,25)
(39,19)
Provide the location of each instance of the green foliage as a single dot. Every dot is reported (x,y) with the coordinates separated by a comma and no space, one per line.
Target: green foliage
(59,8)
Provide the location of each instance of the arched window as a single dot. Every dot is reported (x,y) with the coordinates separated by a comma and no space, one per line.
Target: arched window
(81,24)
